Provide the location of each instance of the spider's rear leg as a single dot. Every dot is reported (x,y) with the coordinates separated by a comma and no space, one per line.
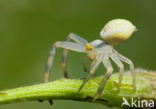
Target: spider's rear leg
(121,70)
(109,69)
(78,40)
(128,61)
(93,67)
(85,64)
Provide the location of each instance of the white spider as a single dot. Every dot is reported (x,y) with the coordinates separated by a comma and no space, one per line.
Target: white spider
(114,32)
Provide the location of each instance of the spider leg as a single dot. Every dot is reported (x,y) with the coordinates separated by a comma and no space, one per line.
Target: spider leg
(64,60)
(121,70)
(109,69)
(60,44)
(78,40)
(93,67)
(84,63)
(128,61)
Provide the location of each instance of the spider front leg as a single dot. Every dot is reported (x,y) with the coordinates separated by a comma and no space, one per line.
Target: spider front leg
(50,62)
(121,70)
(128,61)
(64,60)
(78,40)
(60,44)
(93,67)
(109,69)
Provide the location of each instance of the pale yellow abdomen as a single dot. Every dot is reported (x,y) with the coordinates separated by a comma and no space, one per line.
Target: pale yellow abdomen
(117,31)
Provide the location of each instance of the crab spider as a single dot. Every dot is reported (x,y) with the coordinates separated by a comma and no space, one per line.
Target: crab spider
(99,51)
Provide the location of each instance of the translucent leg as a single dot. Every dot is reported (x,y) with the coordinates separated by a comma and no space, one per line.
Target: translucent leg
(96,42)
(109,69)
(128,61)
(121,70)
(84,63)
(78,40)
(66,45)
(64,60)
(50,62)
(93,67)
(70,46)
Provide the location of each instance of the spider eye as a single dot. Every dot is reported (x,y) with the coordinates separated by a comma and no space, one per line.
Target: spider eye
(117,31)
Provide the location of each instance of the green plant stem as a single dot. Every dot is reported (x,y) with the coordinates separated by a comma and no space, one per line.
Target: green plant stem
(67,89)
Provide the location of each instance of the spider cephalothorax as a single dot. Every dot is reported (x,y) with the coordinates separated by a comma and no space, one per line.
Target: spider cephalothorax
(99,51)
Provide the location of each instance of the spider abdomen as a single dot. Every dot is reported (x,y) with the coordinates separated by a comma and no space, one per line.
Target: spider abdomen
(117,31)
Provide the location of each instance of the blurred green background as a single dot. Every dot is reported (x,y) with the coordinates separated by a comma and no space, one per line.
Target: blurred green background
(28,28)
